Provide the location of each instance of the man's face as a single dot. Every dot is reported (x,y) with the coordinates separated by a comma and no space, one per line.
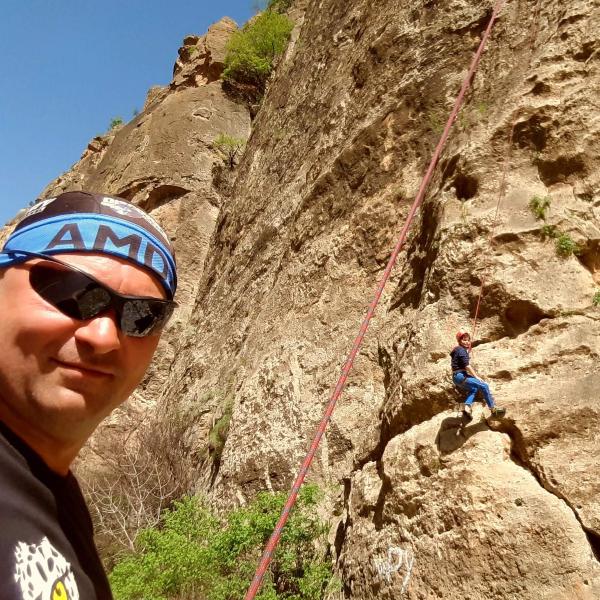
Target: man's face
(61,376)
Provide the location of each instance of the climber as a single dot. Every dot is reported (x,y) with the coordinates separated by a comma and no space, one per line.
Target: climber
(465,377)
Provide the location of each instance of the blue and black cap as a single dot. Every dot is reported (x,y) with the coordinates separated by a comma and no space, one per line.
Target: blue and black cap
(84,222)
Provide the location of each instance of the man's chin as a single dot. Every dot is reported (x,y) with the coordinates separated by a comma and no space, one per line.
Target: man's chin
(75,404)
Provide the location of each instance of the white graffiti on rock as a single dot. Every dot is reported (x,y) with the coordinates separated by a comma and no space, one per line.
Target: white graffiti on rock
(397,560)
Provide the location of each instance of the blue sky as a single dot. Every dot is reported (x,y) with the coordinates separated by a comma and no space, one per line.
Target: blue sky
(68,66)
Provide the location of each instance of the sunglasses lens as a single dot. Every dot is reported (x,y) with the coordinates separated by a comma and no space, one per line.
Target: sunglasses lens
(93,301)
(71,292)
(142,317)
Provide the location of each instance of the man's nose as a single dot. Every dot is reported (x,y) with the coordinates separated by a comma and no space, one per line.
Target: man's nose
(101,333)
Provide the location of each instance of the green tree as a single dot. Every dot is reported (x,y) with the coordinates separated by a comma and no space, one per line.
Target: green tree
(195,555)
(251,51)
(596,299)
(229,147)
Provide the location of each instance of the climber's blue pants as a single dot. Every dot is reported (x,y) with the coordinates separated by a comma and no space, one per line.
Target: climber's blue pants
(472,385)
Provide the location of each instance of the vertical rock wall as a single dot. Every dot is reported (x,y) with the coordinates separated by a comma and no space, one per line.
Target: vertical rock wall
(428,508)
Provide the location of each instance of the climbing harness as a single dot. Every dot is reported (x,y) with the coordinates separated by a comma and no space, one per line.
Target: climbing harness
(274,539)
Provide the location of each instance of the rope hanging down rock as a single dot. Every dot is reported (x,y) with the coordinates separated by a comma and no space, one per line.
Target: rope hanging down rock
(274,539)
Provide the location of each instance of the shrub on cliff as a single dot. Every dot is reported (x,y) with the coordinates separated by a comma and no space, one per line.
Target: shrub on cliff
(539,206)
(115,122)
(549,232)
(229,147)
(566,246)
(140,478)
(251,51)
(195,555)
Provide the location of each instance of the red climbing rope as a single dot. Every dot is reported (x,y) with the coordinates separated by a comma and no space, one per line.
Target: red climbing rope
(274,539)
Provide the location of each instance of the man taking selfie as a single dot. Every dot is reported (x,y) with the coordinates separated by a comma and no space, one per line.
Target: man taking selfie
(86,286)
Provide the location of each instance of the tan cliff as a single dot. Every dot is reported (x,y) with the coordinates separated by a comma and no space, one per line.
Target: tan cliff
(278,270)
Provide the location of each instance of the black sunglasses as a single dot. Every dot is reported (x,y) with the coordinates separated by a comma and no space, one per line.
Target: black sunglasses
(80,296)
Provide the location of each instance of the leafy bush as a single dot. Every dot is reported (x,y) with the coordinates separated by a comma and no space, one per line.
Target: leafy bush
(565,245)
(596,299)
(251,51)
(229,147)
(195,555)
(116,122)
(539,206)
(549,231)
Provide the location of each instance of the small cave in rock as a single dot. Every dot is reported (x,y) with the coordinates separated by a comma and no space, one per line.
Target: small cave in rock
(532,133)
(386,489)
(134,188)
(466,186)
(561,170)
(594,541)
(520,315)
(340,537)
(586,51)
(590,259)
(161,195)
(541,88)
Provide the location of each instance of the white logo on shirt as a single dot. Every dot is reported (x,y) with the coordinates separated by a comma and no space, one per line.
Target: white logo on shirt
(42,572)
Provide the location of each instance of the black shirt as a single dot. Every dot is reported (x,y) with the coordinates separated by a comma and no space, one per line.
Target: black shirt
(460,359)
(47,549)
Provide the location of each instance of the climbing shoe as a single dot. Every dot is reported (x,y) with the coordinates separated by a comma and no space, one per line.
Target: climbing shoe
(467,413)
(498,412)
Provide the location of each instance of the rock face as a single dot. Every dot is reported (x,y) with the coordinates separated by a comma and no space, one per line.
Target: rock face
(422,506)
(201,59)
(497,509)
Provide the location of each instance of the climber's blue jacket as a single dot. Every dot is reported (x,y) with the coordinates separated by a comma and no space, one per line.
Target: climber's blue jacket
(460,359)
